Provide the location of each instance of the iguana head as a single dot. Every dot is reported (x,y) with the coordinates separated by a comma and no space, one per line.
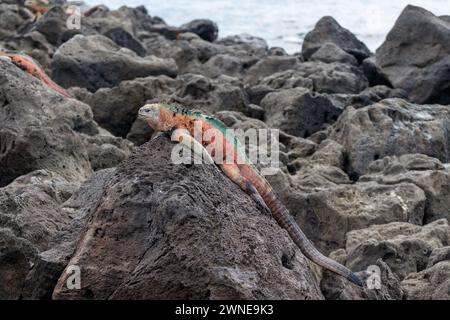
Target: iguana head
(4,55)
(154,115)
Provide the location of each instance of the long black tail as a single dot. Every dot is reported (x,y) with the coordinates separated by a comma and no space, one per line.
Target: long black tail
(286,221)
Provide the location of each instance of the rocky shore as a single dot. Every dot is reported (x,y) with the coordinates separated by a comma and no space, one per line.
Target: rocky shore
(365,160)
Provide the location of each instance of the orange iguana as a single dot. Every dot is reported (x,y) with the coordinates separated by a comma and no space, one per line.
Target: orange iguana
(30,66)
(38,7)
(236,166)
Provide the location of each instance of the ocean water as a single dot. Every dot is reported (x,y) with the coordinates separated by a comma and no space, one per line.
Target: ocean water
(284,23)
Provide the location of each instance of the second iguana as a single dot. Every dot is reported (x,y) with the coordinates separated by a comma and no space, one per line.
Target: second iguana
(28,65)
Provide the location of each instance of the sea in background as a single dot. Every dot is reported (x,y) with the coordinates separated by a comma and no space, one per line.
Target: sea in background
(284,23)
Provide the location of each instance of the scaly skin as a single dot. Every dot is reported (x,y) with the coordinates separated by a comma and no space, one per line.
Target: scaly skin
(31,67)
(166,117)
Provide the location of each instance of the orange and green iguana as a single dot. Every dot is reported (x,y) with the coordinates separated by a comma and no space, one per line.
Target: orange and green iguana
(38,7)
(30,66)
(185,125)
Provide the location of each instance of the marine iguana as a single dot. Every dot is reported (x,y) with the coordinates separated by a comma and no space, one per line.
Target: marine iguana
(38,7)
(27,64)
(183,124)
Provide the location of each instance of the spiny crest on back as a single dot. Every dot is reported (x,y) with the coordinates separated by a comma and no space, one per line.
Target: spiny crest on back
(10,52)
(178,109)
(216,123)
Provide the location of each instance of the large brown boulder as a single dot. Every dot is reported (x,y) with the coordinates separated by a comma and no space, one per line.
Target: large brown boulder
(169,231)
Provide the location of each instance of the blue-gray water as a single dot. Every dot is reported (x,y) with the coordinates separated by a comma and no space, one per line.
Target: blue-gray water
(284,22)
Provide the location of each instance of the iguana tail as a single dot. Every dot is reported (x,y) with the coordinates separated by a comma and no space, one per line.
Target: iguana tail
(286,221)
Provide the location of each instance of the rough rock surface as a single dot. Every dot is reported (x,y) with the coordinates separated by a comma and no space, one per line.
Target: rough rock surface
(366,176)
(49,146)
(204,28)
(115,109)
(327,30)
(47,268)
(350,207)
(329,52)
(167,212)
(392,127)
(210,95)
(430,284)
(136,21)
(335,288)
(438,255)
(404,247)
(10,19)
(321,77)
(299,111)
(427,173)
(124,39)
(373,72)
(269,66)
(95,62)
(53,26)
(29,220)
(421,67)
(39,129)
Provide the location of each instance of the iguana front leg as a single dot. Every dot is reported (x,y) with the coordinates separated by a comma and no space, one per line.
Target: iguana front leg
(183,136)
(232,171)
